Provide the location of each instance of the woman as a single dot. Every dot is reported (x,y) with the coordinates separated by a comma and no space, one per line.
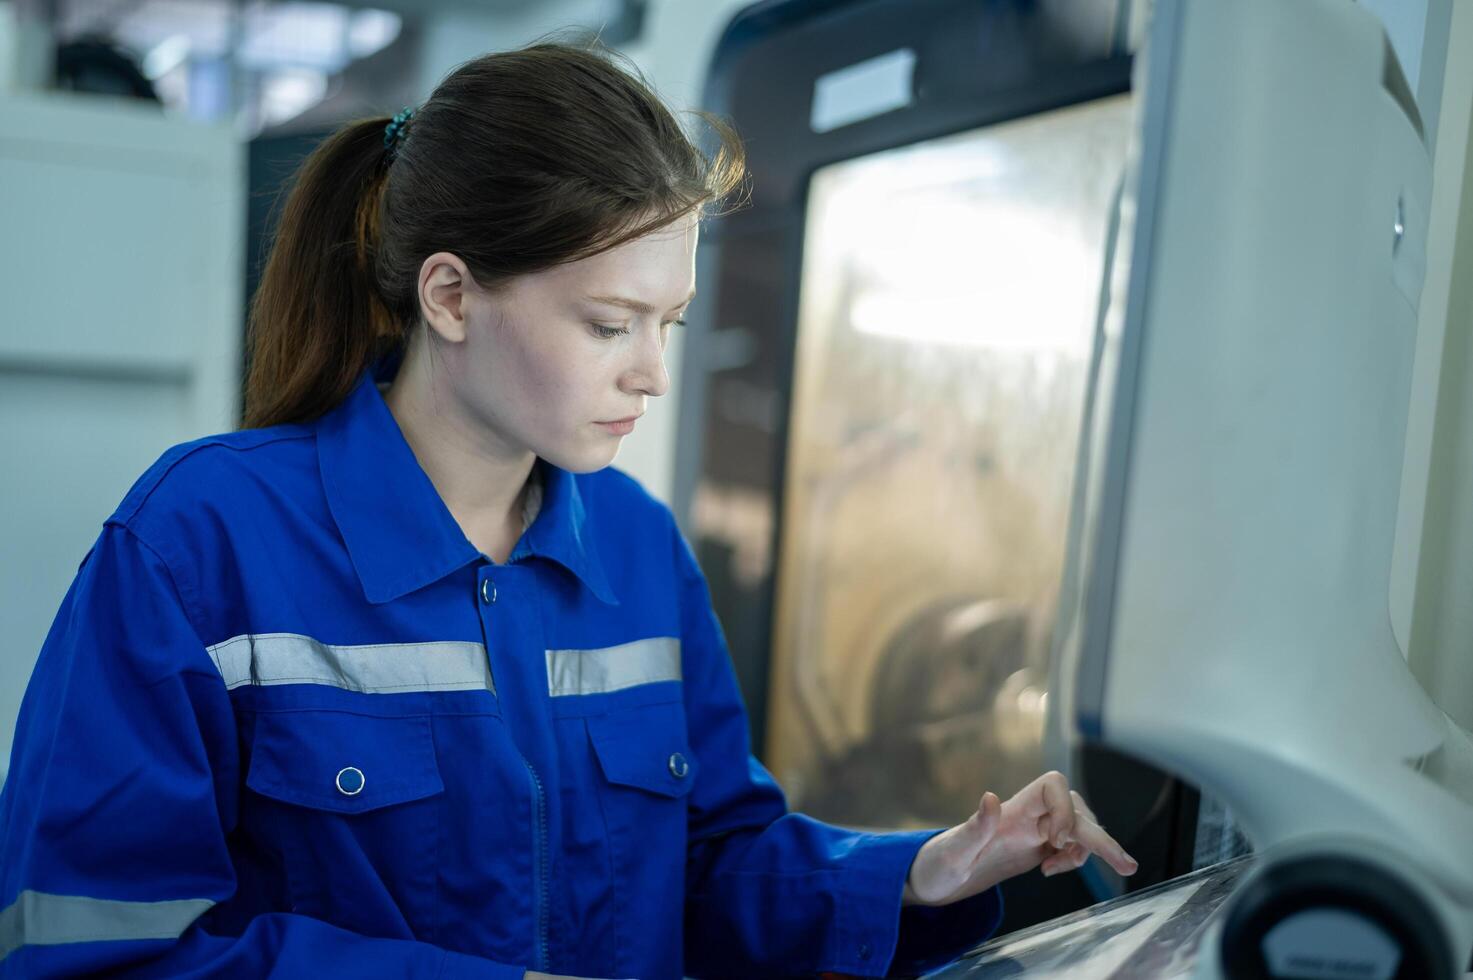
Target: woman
(401,679)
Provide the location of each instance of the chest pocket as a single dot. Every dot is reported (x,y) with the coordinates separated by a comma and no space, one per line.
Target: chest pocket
(351,804)
(344,762)
(645,748)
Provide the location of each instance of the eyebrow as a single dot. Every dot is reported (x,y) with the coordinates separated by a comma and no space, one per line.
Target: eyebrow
(644,309)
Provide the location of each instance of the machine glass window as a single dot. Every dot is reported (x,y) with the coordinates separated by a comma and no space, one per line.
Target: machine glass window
(947,310)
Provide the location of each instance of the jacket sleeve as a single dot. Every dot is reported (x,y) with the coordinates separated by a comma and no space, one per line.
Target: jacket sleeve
(123,783)
(770,892)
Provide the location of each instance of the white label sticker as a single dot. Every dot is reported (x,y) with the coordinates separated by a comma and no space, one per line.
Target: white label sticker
(863,90)
(1330,944)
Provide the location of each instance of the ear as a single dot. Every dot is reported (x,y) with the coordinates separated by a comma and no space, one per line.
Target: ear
(444,282)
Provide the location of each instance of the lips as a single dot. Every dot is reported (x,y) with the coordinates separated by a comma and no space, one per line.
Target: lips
(622,427)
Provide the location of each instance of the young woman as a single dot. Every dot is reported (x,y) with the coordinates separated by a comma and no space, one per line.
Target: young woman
(401,679)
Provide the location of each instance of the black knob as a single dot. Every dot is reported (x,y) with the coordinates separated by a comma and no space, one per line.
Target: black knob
(1332,915)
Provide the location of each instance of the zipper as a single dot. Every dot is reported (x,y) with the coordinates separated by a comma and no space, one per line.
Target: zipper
(540,856)
(519,552)
(540,852)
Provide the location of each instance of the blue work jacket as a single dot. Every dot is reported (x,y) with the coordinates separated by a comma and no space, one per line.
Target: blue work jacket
(290,721)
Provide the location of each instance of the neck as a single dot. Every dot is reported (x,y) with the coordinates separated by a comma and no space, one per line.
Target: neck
(482,481)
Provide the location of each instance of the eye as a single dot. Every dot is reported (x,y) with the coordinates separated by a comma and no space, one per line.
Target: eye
(607,332)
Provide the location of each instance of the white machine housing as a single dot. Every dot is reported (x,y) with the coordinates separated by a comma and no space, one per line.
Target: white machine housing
(1226,615)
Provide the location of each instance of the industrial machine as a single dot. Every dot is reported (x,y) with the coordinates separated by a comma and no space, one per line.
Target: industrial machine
(1060,399)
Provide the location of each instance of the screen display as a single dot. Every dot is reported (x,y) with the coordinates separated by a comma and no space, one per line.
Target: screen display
(1157,933)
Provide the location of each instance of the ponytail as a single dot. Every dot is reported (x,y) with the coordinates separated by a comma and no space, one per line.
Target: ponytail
(317,321)
(518,162)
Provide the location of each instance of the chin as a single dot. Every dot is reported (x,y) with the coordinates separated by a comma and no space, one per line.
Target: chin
(585,460)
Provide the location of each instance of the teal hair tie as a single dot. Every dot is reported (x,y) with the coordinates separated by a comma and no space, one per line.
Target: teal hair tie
(395,129)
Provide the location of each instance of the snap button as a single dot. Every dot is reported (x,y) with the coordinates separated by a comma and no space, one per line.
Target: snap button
(488,591)
(350,781)
(678,766)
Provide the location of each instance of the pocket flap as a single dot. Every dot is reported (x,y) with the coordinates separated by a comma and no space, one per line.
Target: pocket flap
(645,747)
(345,762)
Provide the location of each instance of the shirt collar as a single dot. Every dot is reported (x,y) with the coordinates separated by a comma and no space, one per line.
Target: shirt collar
(399,533)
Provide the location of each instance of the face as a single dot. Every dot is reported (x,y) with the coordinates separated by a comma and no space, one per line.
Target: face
(562,363)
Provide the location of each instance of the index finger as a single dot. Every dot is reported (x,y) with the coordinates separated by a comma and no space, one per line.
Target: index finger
(1093,836)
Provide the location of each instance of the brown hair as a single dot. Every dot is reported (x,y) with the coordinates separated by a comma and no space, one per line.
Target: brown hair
(518,162)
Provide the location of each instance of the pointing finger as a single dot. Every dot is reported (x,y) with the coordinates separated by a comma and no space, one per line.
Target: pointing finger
(1093,836)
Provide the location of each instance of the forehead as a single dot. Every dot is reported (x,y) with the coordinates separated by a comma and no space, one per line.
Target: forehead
(658,268)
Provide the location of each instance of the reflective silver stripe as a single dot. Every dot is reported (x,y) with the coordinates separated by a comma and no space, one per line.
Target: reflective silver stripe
(39,919)
(613,668)
(377,668)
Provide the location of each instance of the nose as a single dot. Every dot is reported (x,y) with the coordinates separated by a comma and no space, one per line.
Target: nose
(647,374)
